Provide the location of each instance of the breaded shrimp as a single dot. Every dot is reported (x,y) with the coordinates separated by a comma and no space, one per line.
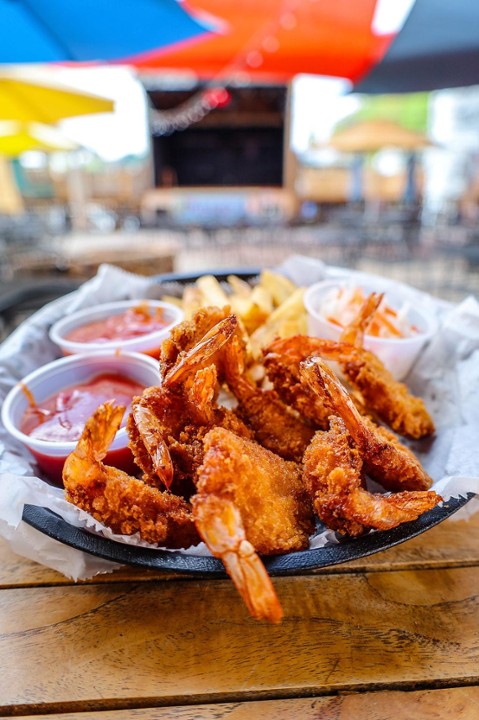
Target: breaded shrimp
(281,361)
(167,423)
(121,502)
(276,426)
(333,473)
(380,393)
(250,501)
(389,399)
(386,460)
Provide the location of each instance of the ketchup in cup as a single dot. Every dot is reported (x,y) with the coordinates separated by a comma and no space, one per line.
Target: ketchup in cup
(132,323)
(127,325)
(48,409)
(63,416)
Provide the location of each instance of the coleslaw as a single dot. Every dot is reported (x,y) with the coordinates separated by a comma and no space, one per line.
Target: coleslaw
(341,306)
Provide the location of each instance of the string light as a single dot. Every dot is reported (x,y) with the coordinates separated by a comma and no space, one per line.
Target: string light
(191,111)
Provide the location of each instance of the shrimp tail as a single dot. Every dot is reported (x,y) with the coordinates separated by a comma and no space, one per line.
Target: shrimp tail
(355,331)
(99,432)
(202,353)
(220,525)
(151,434)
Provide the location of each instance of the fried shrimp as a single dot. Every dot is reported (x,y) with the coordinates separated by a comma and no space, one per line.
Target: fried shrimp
(380,393)
(333,474)
(274,424)
(386,460)
(281,361)
(187,334)
(250,501)
(167,423)
(121,502)
(389,399)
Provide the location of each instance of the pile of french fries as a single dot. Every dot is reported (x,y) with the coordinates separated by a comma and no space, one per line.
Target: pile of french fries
(273,307)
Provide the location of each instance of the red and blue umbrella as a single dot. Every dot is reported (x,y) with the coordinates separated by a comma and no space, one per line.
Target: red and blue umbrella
(274,40)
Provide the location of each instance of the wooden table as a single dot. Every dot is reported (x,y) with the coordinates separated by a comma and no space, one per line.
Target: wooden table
(393,636)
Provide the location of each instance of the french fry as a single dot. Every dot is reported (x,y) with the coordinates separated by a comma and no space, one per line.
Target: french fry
(272,308)
(295,326)
(253,310)
(289,318)
(211,291)
(239,287)
(279,287)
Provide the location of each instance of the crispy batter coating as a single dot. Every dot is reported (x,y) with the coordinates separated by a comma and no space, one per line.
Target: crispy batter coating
(187,334)
(168,444)
(380,393)
(389,399)
(386,460)
(275,425)
(281,360)
(333,473)
(267,490)
(121,502)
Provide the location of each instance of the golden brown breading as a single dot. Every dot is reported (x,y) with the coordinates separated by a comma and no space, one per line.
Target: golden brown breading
(385,458)
(333,473)
(267,490)
(121,502)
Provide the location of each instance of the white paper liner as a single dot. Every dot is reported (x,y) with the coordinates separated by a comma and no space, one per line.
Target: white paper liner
(446,376)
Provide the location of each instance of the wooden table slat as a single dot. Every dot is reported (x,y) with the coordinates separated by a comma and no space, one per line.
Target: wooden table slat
(454,703)
(184,641)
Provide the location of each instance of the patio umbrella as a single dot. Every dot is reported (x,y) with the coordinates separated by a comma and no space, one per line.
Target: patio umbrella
(381,46)
(438,47)
(25,99)
(274,40)
(17,138)
(85,30)
(372,135)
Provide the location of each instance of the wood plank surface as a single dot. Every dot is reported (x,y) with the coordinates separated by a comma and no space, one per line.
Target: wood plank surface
(453,543)
(454,703)
(193,642)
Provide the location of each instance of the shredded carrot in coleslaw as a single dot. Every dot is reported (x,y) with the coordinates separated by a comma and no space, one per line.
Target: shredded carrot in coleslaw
(341,306)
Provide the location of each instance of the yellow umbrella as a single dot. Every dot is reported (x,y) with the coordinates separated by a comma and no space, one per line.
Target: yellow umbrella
(17,138)
(33,100)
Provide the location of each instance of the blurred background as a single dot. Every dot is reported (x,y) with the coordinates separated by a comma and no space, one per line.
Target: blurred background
(166,136)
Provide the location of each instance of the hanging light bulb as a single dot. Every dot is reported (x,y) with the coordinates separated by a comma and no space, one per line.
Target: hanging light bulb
(217,97)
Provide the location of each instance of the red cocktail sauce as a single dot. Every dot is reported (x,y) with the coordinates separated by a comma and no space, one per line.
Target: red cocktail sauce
(133,323)
(62,417)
